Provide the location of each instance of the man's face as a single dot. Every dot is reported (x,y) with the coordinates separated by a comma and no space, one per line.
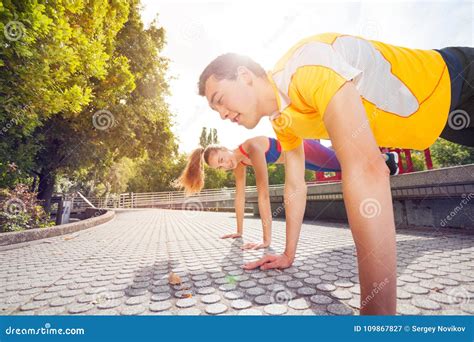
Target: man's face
(236,100)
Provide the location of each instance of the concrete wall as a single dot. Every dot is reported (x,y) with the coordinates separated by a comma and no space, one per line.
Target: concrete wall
(436,198)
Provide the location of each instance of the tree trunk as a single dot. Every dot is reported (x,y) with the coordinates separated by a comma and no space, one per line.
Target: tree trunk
(47,179)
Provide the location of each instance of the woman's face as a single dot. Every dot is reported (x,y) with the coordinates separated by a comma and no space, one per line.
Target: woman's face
(222,159)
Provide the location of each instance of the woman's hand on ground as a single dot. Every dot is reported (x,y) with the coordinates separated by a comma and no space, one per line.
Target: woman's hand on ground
(270,261)
(255,245)
(232,236)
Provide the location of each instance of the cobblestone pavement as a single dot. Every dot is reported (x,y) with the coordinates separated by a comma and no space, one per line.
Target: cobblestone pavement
(122,267)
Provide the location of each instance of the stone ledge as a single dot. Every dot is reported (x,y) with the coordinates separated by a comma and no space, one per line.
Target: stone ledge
(10,238)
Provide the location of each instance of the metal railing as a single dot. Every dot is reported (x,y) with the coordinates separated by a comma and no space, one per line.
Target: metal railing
(151,199)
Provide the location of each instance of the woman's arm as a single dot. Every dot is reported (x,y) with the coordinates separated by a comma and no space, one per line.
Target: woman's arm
(239,202)
(257,156)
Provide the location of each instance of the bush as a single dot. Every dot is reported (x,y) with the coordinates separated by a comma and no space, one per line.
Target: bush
(21,210)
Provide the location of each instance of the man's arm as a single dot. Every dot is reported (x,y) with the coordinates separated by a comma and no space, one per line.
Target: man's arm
(239,201)
(295,204)
(257,156)
(368,200)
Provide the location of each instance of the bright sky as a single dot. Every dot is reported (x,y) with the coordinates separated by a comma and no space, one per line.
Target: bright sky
(199,31)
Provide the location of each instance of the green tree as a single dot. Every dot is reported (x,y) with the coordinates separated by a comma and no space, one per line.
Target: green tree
(446,153)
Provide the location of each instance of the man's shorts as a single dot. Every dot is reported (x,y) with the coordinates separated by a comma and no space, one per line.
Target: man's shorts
(460,124)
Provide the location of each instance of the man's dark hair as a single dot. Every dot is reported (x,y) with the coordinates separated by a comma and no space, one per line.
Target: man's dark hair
(225,67)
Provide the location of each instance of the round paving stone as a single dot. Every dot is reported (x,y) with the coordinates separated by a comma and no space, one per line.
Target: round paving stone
(255,291)
(355,289)
(321,299)
(266,281)
(231,295)
(248,284)
(206,290)
(45,296)
(431,285)
(441,298)
(263,300)
(415,289)
(160,297)
(341,294)
(134,309)
(284,277)
(306,291)
(325,287)
(344,283)
(294,284)
(79,308)
(160,306)
(344,274)
(299,304)
(424,303)
(210,299)
(33,305)
(51,311)
(227,287)
(109,304)
(186,302)
(216,309)
(339,309)
(447,281)
(408,309)
(300,275)
(221,281)
(189,312)
(316,272)
(203,283)
(275,309)
(312,281)
(136,300)
(61,301)
(240,304)
(199,277)
(401,294)
(355,303)
(329,277)
(250,312)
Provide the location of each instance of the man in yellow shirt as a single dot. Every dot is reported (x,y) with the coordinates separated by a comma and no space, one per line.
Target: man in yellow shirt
(361,94)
